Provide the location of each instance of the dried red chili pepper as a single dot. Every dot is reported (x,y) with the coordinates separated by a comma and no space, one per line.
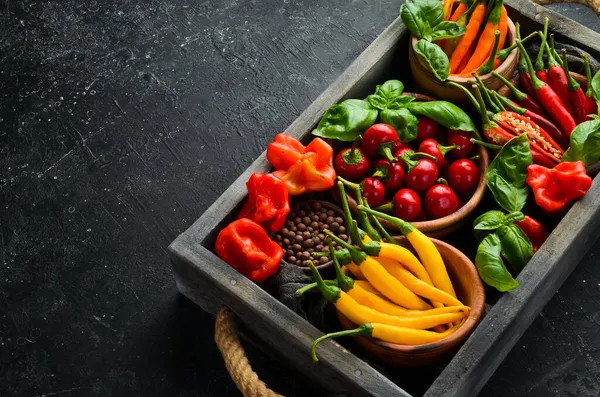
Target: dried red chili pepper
(576,94)
(554,189)
(268,201)
(246,247)
(534,230)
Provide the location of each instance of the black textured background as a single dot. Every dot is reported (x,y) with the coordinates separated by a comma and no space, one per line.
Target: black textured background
(120,123)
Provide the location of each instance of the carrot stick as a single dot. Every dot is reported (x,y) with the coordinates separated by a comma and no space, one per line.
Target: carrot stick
(486,42)
(503,32)
(462,20)
(468,38)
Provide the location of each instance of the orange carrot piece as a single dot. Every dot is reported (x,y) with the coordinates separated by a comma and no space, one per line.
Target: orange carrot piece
(486,42)
(468,38)
(503,32)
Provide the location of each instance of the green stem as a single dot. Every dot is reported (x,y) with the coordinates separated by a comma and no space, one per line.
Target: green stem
(308,287)
(496,100)
(486,144)
(364,221)
(539,62)
(484,116)
(518,94)
(507,103)
(535,81)
(331,293)
(387,207)
(404,227)
(467,93)
(343,281)
(358,256)
(588,72)
(573,84)
(552,61)
(503,54)
(386,236)
(488,66)
(365,330)
(493,108)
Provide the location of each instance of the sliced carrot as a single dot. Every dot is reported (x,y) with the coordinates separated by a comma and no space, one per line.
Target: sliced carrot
(503,32)
(468,38)
(486,42)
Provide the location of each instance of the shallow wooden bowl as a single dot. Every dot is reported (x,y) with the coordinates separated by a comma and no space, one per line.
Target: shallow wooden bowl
(431,85)
(443,226)
(469,290)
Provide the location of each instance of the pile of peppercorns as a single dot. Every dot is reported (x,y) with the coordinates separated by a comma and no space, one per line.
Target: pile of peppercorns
(303,233)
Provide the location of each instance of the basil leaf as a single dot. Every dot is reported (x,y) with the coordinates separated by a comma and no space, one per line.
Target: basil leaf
(516,247)
(596,87)
(378,102)
(420,16)
(490,266)
(491,220)
(507,173)
(386,94)
(347,120)
(445,113)
(447,30)
(435,57)
(585,143)
(403,121)
(513,217)
(400,102)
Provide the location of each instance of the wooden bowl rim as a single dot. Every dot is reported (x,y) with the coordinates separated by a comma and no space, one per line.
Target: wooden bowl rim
(472,321)
(463,212)
(504,66)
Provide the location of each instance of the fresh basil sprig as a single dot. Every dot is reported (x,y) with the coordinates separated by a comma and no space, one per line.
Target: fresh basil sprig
(347,120)
(425,20)
(585,142)
(491,267)
(445,113)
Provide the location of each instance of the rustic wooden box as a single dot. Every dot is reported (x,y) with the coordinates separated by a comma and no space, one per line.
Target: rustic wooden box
(210,283)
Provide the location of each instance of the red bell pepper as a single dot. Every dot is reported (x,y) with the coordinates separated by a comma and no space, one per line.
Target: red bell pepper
(268,201)
(302,169)
(534,230)
(555,188)
(246,247)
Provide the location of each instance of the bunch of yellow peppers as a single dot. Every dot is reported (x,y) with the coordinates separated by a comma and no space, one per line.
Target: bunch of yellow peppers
(395,297)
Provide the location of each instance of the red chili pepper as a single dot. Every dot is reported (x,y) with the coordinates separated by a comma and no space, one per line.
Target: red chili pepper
(391,174)
(576,94)
(540,69)
(524,76)
(268,201)
(432,147)
(555,188)
(589,94)
(549,99)
(379,139)
(553,131)
(246,247)
(534,230)
(522,98)
(559,80)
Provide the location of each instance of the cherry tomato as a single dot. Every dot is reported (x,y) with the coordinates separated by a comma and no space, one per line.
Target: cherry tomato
(463,176)
(407,205)
(440,201)
(379,140)
(391,174)
(422,176)
(462,139)
(373,191)
(432,147)
(352,164)
(427,128)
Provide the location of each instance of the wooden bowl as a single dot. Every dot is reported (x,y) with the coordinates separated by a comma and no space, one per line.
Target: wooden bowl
(431,85)
(443,226)
(469,290)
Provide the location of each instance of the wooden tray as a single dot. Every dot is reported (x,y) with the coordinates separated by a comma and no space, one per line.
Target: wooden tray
(210,283)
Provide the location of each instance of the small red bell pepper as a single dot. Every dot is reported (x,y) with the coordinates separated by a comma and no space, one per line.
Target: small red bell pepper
(302,169)
(555,188)
(246,247)
(268,201)
(534,230)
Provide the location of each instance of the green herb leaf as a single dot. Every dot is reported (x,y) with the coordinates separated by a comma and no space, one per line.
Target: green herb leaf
(596,87)
(516,247)
(436,58)
(347,120)
(506,174)
(421,16)
(447,30)
(445,113)
(490,220)
(400,102)
(403,121)
(387,94)
(490,266)
(585,143)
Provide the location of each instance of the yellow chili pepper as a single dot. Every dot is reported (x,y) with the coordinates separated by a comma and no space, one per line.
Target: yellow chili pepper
(355,270)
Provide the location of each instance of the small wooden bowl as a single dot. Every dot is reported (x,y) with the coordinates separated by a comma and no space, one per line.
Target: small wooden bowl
(443,226)
(469,290)
(431,85)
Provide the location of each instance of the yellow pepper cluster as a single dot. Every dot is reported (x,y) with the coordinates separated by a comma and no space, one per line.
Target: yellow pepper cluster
(394,296)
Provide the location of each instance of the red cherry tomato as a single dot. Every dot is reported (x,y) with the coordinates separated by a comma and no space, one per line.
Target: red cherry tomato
(462,139)
(427,128)
(391,174)
(440,201)
(433,147)
(379,140)
(373,191)
(463,176)
(407,205)
(422,176)
(352,164)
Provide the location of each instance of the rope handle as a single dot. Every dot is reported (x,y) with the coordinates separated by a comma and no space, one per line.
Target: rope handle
(593,4)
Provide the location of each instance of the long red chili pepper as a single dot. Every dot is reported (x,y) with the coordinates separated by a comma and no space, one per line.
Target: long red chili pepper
(548,126)
(540,69)
(576,94)
(549,99)
(524,77)
(558,80)
(522,98)
(592,104)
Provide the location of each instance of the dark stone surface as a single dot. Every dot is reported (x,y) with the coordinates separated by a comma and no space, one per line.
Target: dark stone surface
(120,123)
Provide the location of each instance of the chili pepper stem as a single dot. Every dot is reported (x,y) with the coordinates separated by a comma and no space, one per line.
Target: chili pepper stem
(519,95)
(467,93)
(403,226)
(365,330)
(503,54)
(539,62)
(486,144)
(588,73)
(486,96)
(381,229)
(357,256)
(343,281)
(443,181)
(330,293)
(308,287)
